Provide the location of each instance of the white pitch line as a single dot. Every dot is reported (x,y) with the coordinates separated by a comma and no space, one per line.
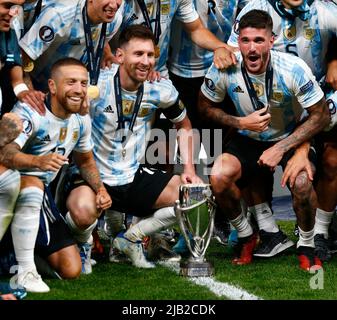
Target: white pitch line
(219,288)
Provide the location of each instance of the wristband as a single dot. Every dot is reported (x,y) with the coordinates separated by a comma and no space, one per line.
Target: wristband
(20,88)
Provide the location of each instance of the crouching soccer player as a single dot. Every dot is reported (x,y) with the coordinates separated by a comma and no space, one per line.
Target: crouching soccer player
(127,102)
(39,152)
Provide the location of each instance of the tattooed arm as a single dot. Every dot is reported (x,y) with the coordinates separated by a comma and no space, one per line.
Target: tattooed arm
(89,172)
(256,121)
(10,128)
(12,157)
(317,120)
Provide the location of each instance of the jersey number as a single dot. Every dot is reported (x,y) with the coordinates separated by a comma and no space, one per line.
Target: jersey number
(291,48)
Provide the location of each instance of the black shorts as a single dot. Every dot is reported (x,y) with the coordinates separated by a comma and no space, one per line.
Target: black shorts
(248,152)
(54,234)
(138,197)
(60,237)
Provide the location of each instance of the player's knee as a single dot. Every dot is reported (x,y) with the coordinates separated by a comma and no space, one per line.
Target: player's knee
(70,269)
(302,186)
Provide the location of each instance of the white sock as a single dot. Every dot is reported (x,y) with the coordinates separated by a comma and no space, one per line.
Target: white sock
(25,225)
(161,219)
(242,226)
(264,217)
(322,222)
(115,221)
(9,191)
(306,238)
(80,236)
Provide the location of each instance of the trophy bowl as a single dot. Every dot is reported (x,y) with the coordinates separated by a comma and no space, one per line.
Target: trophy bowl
(195,211)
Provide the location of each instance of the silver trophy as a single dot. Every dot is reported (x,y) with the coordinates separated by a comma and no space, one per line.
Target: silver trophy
(195,212)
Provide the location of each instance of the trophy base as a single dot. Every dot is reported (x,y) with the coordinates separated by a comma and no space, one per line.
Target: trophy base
(196,269)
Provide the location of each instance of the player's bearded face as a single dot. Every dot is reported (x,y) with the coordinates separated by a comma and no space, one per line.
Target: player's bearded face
(8,10)
(255,45)
(139,59)
(72,88)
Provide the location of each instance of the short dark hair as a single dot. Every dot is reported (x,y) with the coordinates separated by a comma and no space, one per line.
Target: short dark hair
(257,19)
(65,62)
(135,31)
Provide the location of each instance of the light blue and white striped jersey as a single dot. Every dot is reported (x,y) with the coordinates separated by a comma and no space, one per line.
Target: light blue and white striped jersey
(114,168)
(294,90)
(57,33)
(307,39)
(49,134)
(182,10)
(189,60)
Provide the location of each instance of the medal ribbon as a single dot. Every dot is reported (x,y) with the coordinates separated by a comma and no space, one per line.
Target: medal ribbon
(37,12)
(94,61)
(302,11)
(157,29)
(256,102)
(119,104)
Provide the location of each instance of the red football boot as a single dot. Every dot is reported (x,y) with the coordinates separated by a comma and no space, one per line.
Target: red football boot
(244,250)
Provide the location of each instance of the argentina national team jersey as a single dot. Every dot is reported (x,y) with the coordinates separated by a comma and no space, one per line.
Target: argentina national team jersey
(57,33)
(48,134)
(115,169)
(189,60)
(307,39)
(294,90)
(182,10)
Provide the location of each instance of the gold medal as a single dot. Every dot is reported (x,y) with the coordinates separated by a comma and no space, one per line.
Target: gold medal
(93,92)
(28,66)
(156,51)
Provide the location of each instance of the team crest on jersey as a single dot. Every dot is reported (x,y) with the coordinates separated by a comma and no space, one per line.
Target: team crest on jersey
(258,87)
(149,8)
(278,96)
(290,33)
(75,136)
(46,34)
(309,33)
(27,126)
(165,8)
(127,107)
(63,134)
(210,84)
(143,112)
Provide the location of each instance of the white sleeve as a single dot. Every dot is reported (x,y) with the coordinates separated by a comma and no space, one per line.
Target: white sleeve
(47,28)
(214,86)
(30,120)
(305,86)
(84,143)
(186,11)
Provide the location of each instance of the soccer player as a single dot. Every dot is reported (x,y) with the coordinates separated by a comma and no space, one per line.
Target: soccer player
(306,28)
(270,92)
(39,152)
(121,120)
(76,28)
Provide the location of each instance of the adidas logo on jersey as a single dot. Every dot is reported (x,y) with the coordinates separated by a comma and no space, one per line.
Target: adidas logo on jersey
(238,89)
(46,138)
(108,109)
